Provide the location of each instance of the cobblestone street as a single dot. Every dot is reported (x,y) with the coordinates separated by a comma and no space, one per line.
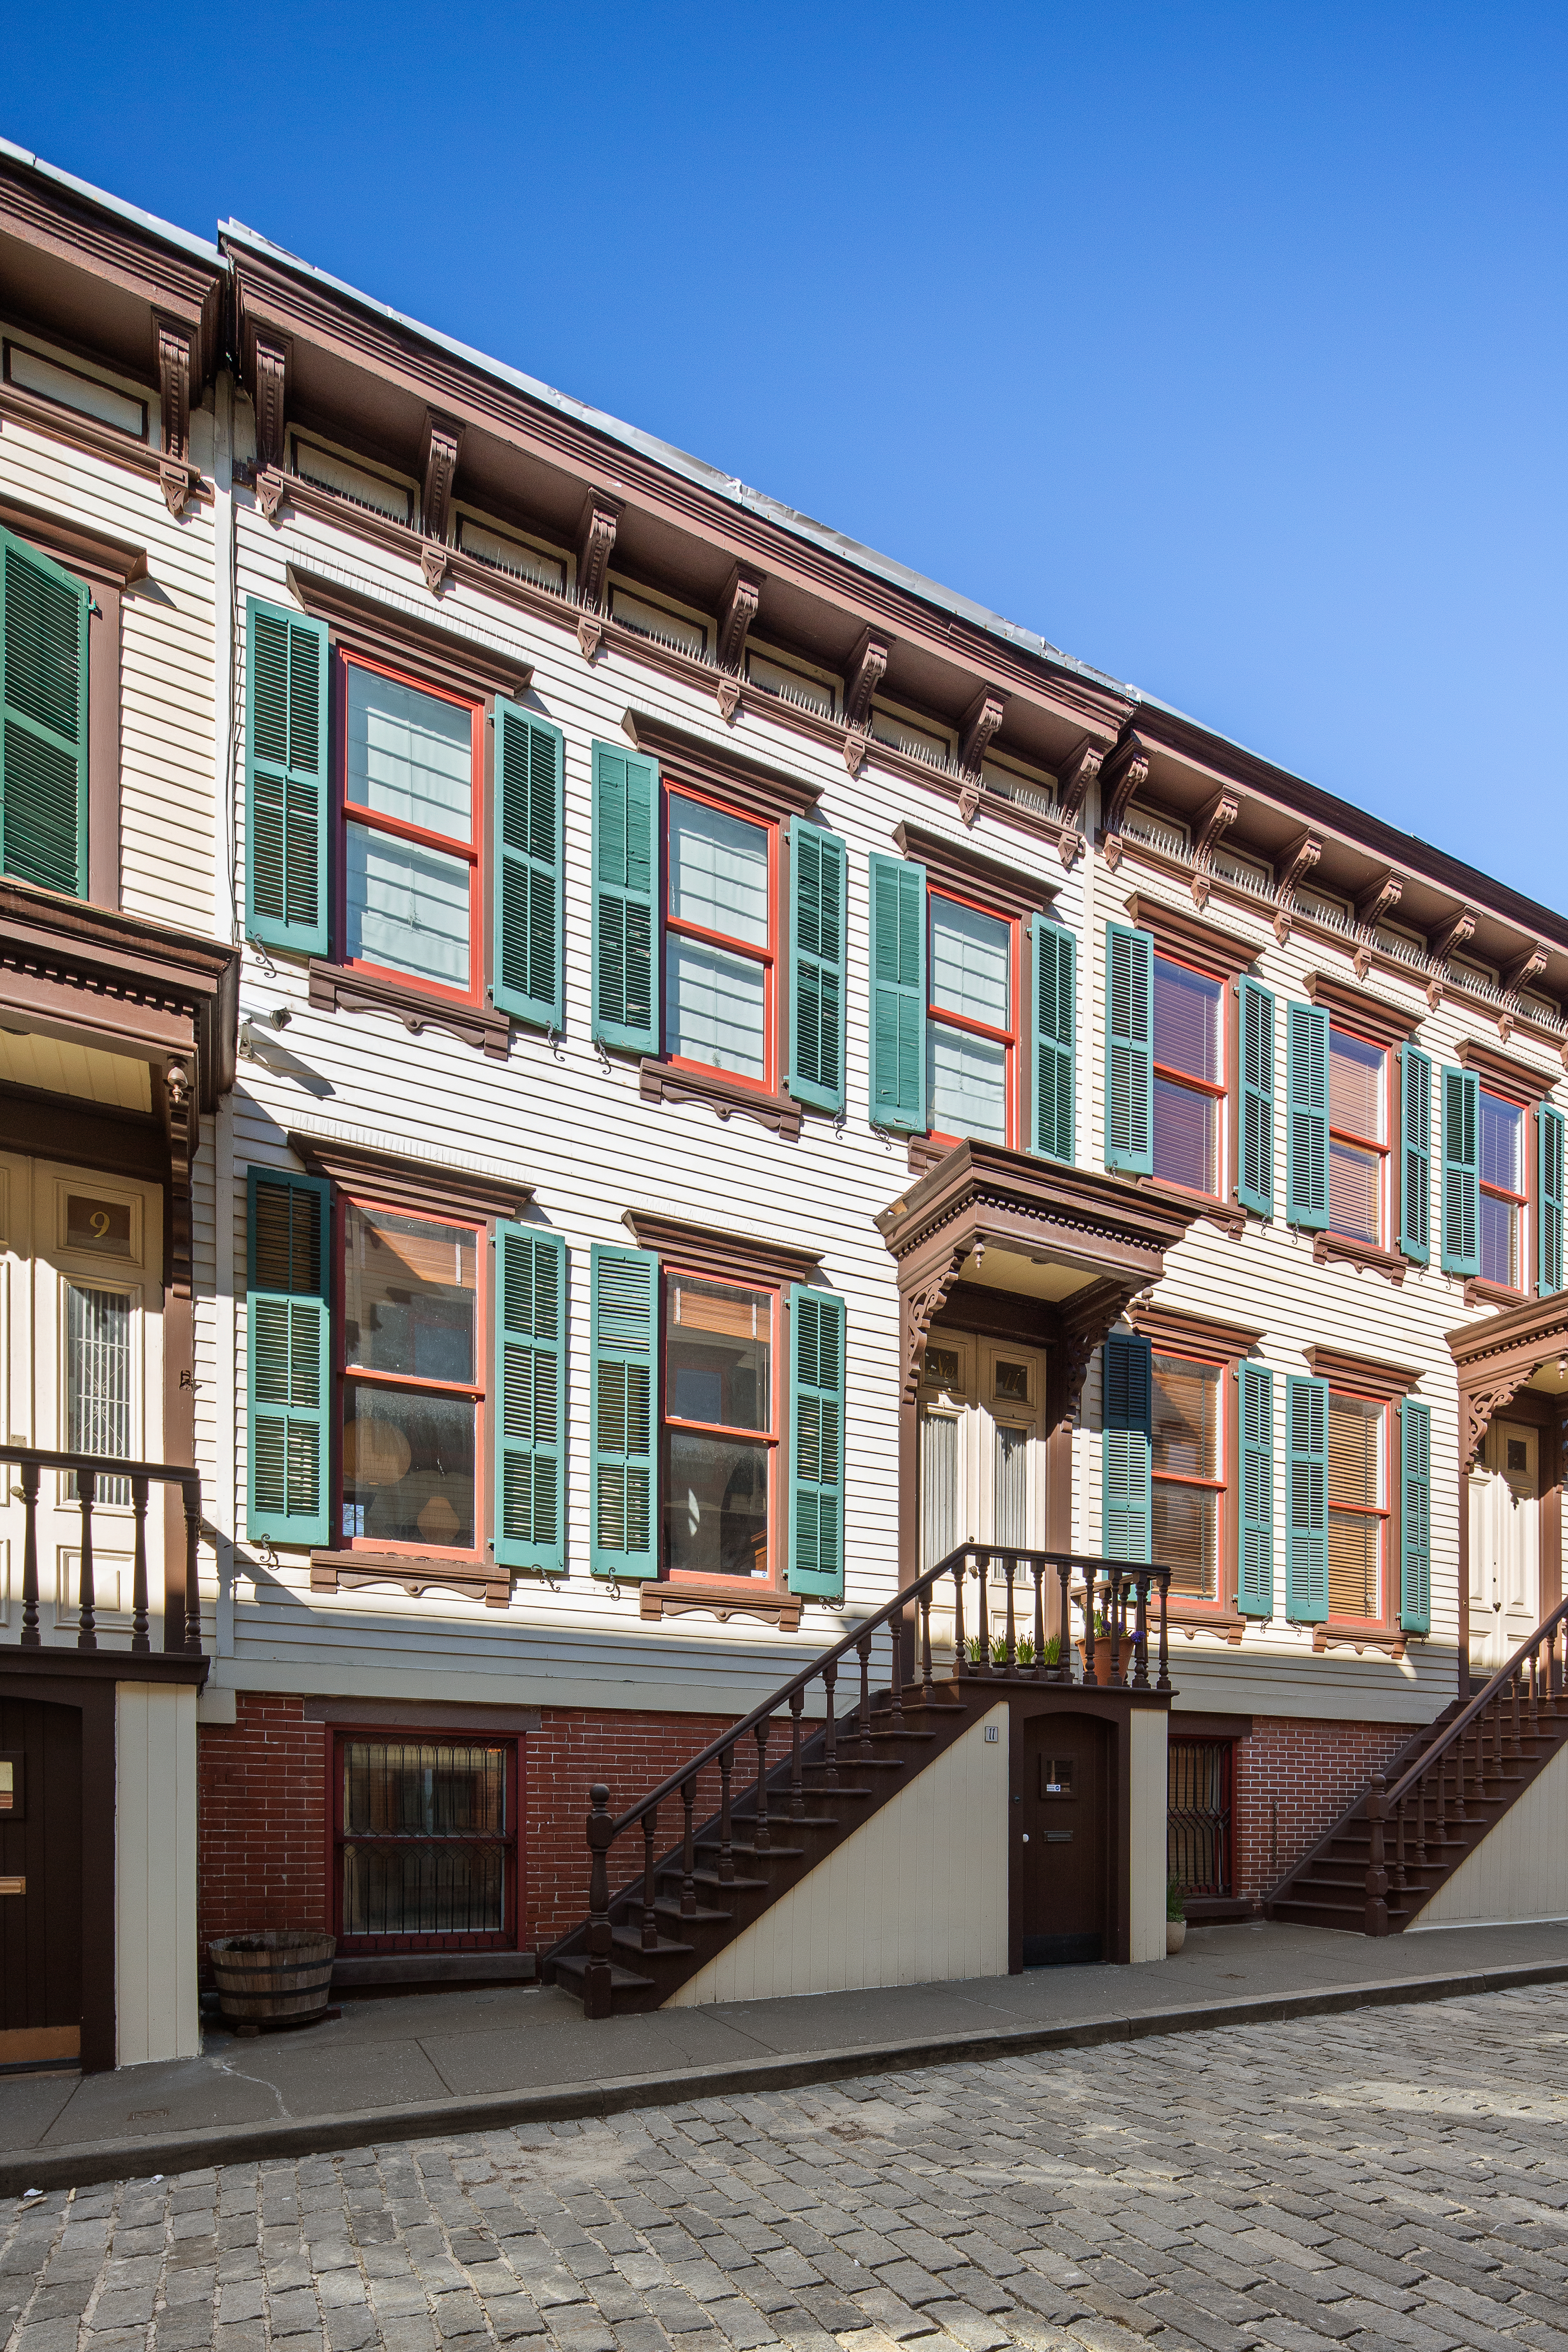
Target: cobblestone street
(1393,2178)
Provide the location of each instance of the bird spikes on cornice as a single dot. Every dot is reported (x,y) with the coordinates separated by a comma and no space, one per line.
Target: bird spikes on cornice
(1453,934)
(864,676)
(1077,776)
(737,611)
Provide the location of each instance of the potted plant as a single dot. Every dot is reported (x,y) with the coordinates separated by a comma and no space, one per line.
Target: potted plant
(1175,1916)
(1101,1651)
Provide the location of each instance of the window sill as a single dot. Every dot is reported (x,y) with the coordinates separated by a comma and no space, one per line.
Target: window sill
(1339,1249)
(664,1082)
(335,989)
(1390,1638)
(687,1599)
(414,1573)
(1479,1292)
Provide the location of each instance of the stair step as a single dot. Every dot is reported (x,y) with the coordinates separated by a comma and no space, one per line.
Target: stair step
(758,1853)
(850,1759)
(668,1907)
(794,1823)
(736,1885)
(629,1939)
(576,1966)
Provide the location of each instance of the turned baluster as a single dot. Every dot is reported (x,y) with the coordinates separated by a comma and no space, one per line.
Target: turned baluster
(87,1620)
(31,1637)
(1140,1648)
(1399,1848)
(1038,1566)
(796,1778)
(863,1651)
(1421,1820)
(960,1660)
(830,1730)
(764,1836)
(688,1847)
(1162,1680)
(896,1688)
(982,1609)
(650,1881)
(1010,1564)
(1376,1874)
(1090,1673)
(1116,1625)
(928,1685)
(596,1993)
(191,1495)
(1064,1622)
(139,1642)
(726,1849)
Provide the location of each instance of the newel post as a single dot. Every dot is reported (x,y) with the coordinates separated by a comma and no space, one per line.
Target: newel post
(596,1976)
(1376,1874)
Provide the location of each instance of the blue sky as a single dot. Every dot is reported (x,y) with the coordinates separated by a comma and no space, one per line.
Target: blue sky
(1225,346)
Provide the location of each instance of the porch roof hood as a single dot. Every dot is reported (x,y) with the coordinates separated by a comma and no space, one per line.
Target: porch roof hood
(1519,1347)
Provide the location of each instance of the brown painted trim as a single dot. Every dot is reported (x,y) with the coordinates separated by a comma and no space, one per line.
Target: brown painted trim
(766,791)
(954,866)
(19,1669)
(659,1599)
(1377,1018)
(75,234)
(1364,1375)
(1006,1315)
(335,989)
(1501,1075)
(1202,1337)
(425,1187)
(423,1715)
(724,1256)
(1339,1249)
(659,1081)
(84,1135)
(449,658)
(96,556)
(411,1572)
(1193,939)
(56,423)
(1209,1726)
(1479,1292)
(1389,1639)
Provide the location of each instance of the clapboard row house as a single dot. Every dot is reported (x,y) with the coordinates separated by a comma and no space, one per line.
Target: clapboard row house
(597,1081)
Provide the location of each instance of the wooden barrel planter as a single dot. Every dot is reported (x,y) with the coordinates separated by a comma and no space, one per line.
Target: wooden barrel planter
(281,1978)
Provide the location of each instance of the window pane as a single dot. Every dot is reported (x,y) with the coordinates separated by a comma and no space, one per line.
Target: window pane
(716,1509)
(1186,1136)
(718,1346)
(1499,1240)
(410,755)
(966,1083)
(1355,1191)
(423,1788)
(718,1007)
(407,906)
(408,1467)
(1184,1538)
(423,1890)
(1186,1418)
(98,1383)
(1010,1498)
(1355,1451)
(1187,1020)
(1355,1546)
(971,963)
(1356,1090)
(939,1486)
(408,1294)
(1502,1134)
(717,871)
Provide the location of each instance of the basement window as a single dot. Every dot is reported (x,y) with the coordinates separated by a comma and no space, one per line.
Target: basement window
(424,1836)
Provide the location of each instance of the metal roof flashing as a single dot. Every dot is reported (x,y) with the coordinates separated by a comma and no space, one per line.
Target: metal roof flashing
(197,248)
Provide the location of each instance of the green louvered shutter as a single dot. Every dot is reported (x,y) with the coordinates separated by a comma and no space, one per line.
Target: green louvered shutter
(1255,1154)
(530,1399)
(624,1434)
(286,762)
(1416,1517)
(817,1443)
(1549,1200)
(1255,1577)
(1126,1507)
(43,720)
(1056,1040)
(626,880)
(1416,1155)
(288,1343)
(898,995)
(1461,1171)
(817,865)
(1129,1050)
(1307,1556)
(525,959)
(1307,1110)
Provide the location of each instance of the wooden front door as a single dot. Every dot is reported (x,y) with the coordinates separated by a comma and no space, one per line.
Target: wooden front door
(1505,1545)
(40,1882)
(1061,1840)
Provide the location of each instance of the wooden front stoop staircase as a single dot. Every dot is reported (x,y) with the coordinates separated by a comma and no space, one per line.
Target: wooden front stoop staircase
(1408,1832)
(639,1945)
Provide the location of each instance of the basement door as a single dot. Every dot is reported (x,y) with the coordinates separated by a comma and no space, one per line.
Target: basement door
(40,1882)
(1505,1545)
(1061,1840)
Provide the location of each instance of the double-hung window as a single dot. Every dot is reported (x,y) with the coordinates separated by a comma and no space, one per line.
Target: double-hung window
(1188,1472)
(971,1033)
(1189,1076)
(1358,1138)
(718,945)
(412,766)
(1357,1506)
(1503,1191)
(721,1436)
(412,1389)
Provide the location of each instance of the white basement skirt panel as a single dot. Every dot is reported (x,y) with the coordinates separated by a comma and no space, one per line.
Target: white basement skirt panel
(155,1873)
(1519,1870)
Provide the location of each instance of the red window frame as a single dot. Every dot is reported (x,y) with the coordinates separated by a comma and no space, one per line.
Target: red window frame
(1365,1142)
(771,1437)
(940,1016)
(1382,1512)
(514,1909)
(673,788)
(477,1390)
(347,812)
(1217,1089)
(1518,1200)
(1219,1485)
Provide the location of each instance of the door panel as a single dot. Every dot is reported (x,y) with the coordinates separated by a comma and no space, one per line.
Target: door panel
(1505,1540)
(40,1882)
(1061,1839)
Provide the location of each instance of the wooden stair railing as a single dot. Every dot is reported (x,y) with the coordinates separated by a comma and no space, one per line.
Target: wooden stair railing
(684,1905)
(1388,1854)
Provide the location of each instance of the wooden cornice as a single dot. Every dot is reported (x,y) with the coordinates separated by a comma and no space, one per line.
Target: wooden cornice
(1377,1018)
(1077,775)
(1378,901)
(737,611)
(401,1179)
(1523,969)
(269,356)
(366,625)
(1122,778)
(441,446)
(954,866)
(1515,1081)
(1204,1337)
(99,440)
(868,664)
(1459,926)
(721,1256)
(769,791)
(1193,939)
(596,544)
(1361,1375)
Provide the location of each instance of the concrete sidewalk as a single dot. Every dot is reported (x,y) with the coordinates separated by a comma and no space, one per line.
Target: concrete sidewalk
(403,2069)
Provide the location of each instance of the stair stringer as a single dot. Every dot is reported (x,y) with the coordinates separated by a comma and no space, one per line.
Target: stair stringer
(915,1894)
(1518,1869)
